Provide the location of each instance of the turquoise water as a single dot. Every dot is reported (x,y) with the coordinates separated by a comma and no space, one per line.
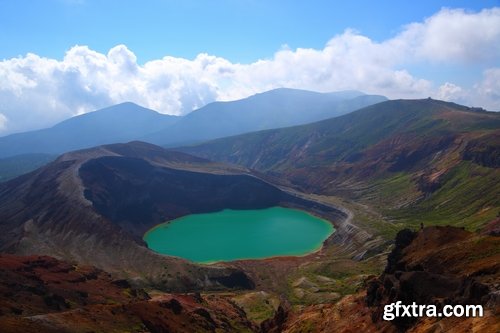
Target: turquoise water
(240,234)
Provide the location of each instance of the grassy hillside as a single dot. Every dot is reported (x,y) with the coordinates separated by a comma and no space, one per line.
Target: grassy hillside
(415,160)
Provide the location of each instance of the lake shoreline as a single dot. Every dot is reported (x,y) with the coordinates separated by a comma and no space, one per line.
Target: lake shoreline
(287,231)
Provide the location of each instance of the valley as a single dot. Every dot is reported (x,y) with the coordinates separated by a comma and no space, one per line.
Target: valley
(403,158)
(374,175)
(106,198)
(249,166)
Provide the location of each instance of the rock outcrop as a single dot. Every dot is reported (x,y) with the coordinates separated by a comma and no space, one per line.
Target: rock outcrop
(98,219)
(41,294)
(93,207)
(438,266)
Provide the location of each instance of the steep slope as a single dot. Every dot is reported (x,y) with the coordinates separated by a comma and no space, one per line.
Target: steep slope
(46,212)
(32,285)
(416,272)
(42,294)
(119,123)
(272,109)
(417,160)
(93,206)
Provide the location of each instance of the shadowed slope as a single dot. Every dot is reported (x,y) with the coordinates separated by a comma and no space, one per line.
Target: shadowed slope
(405,156)
(438,265)
(47,212)
(93,206)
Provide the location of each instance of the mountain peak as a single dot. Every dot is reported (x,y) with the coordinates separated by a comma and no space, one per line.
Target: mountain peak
(278,108)
(121,107)
(289,91)
(118,123)
(129,121)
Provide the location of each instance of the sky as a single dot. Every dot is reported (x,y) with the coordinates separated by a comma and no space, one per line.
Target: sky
(60,58)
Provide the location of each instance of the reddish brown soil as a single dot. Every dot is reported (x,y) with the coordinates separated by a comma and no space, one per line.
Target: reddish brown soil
(438,265)
(42,294)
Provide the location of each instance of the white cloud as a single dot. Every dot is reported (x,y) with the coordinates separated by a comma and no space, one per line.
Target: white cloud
(449,91)
(488,90)
(36,92)
(453,35)
(3,121)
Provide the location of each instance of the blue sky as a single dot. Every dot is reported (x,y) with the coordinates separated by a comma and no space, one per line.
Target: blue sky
(59,58)
(238,30)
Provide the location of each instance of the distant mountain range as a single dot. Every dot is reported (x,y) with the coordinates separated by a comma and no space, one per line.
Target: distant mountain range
(127,121)
(273,109)
(118,123)
(373,173)
(420,160)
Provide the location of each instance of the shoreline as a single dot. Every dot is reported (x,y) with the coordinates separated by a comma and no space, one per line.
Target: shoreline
(316,249)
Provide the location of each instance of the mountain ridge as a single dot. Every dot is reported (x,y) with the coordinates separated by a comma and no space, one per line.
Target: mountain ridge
(106,198)
(272,109)
(127,121)
(87,130)
(409,147)
(414,273)
(373,172)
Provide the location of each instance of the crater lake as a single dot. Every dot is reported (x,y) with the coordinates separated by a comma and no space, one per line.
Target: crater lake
(240,234)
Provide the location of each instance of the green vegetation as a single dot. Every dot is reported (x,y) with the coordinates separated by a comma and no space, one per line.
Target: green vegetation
(468,197)
(412,161)
(258,306)
(328,281)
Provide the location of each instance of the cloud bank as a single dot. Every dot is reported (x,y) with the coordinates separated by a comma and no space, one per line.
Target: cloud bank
(36,92)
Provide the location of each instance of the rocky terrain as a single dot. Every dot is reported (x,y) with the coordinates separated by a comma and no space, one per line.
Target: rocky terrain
(71,231)
(93,206)
(43,294)
(46,212)
(438,265)
(413,160)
